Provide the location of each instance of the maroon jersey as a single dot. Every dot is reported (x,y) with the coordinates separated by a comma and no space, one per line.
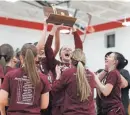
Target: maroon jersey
(113,101)
(72,103)
(8,69)
(24,97)
(57,99)
(2,72)
(50,57)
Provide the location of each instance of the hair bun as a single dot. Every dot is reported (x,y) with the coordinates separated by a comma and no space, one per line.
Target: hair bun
(126,62)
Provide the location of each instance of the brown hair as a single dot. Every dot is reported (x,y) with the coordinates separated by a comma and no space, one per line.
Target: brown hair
(29,52)
(83,87)
(6,54)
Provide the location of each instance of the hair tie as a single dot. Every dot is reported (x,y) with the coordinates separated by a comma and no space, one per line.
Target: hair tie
(126,61)
(2,56)
(81,62)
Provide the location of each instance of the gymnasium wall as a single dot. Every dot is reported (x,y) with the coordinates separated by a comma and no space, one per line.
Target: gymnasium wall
(94,45)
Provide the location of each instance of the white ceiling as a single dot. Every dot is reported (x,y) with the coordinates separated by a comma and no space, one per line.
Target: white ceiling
(101,11)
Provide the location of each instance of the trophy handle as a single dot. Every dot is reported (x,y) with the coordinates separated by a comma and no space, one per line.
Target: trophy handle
(88,24)
(54,9)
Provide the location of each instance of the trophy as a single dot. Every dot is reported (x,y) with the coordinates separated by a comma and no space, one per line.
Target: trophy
(58,16)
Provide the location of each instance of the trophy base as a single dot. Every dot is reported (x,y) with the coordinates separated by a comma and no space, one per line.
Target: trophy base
(61,19)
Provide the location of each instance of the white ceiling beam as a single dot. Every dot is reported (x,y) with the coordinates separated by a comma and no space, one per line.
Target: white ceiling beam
(113,10)
(99,6)
(103,11)
(106,19)
(93,14)
(122,3)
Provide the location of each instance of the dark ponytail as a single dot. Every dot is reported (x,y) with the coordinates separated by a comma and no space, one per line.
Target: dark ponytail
(29,52)
(3,63)
(6,54)
(122,62)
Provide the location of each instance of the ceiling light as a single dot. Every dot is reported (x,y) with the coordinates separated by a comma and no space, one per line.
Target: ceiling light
(125,23)
(64,31)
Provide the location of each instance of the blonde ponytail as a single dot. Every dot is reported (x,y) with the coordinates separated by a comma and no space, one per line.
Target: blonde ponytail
(83,87)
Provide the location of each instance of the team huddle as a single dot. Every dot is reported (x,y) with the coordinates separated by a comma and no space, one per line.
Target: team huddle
(34,82)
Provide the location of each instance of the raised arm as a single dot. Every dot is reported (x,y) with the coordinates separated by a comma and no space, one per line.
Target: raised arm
(61,80)
(49,51)
(41,42)
(102,74)
(77,40)
(106,88)
(57,42)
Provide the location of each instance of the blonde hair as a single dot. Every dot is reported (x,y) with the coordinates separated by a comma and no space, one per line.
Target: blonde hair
(83,87)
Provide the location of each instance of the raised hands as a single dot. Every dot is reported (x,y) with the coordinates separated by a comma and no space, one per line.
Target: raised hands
(74,29)
(54,29)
